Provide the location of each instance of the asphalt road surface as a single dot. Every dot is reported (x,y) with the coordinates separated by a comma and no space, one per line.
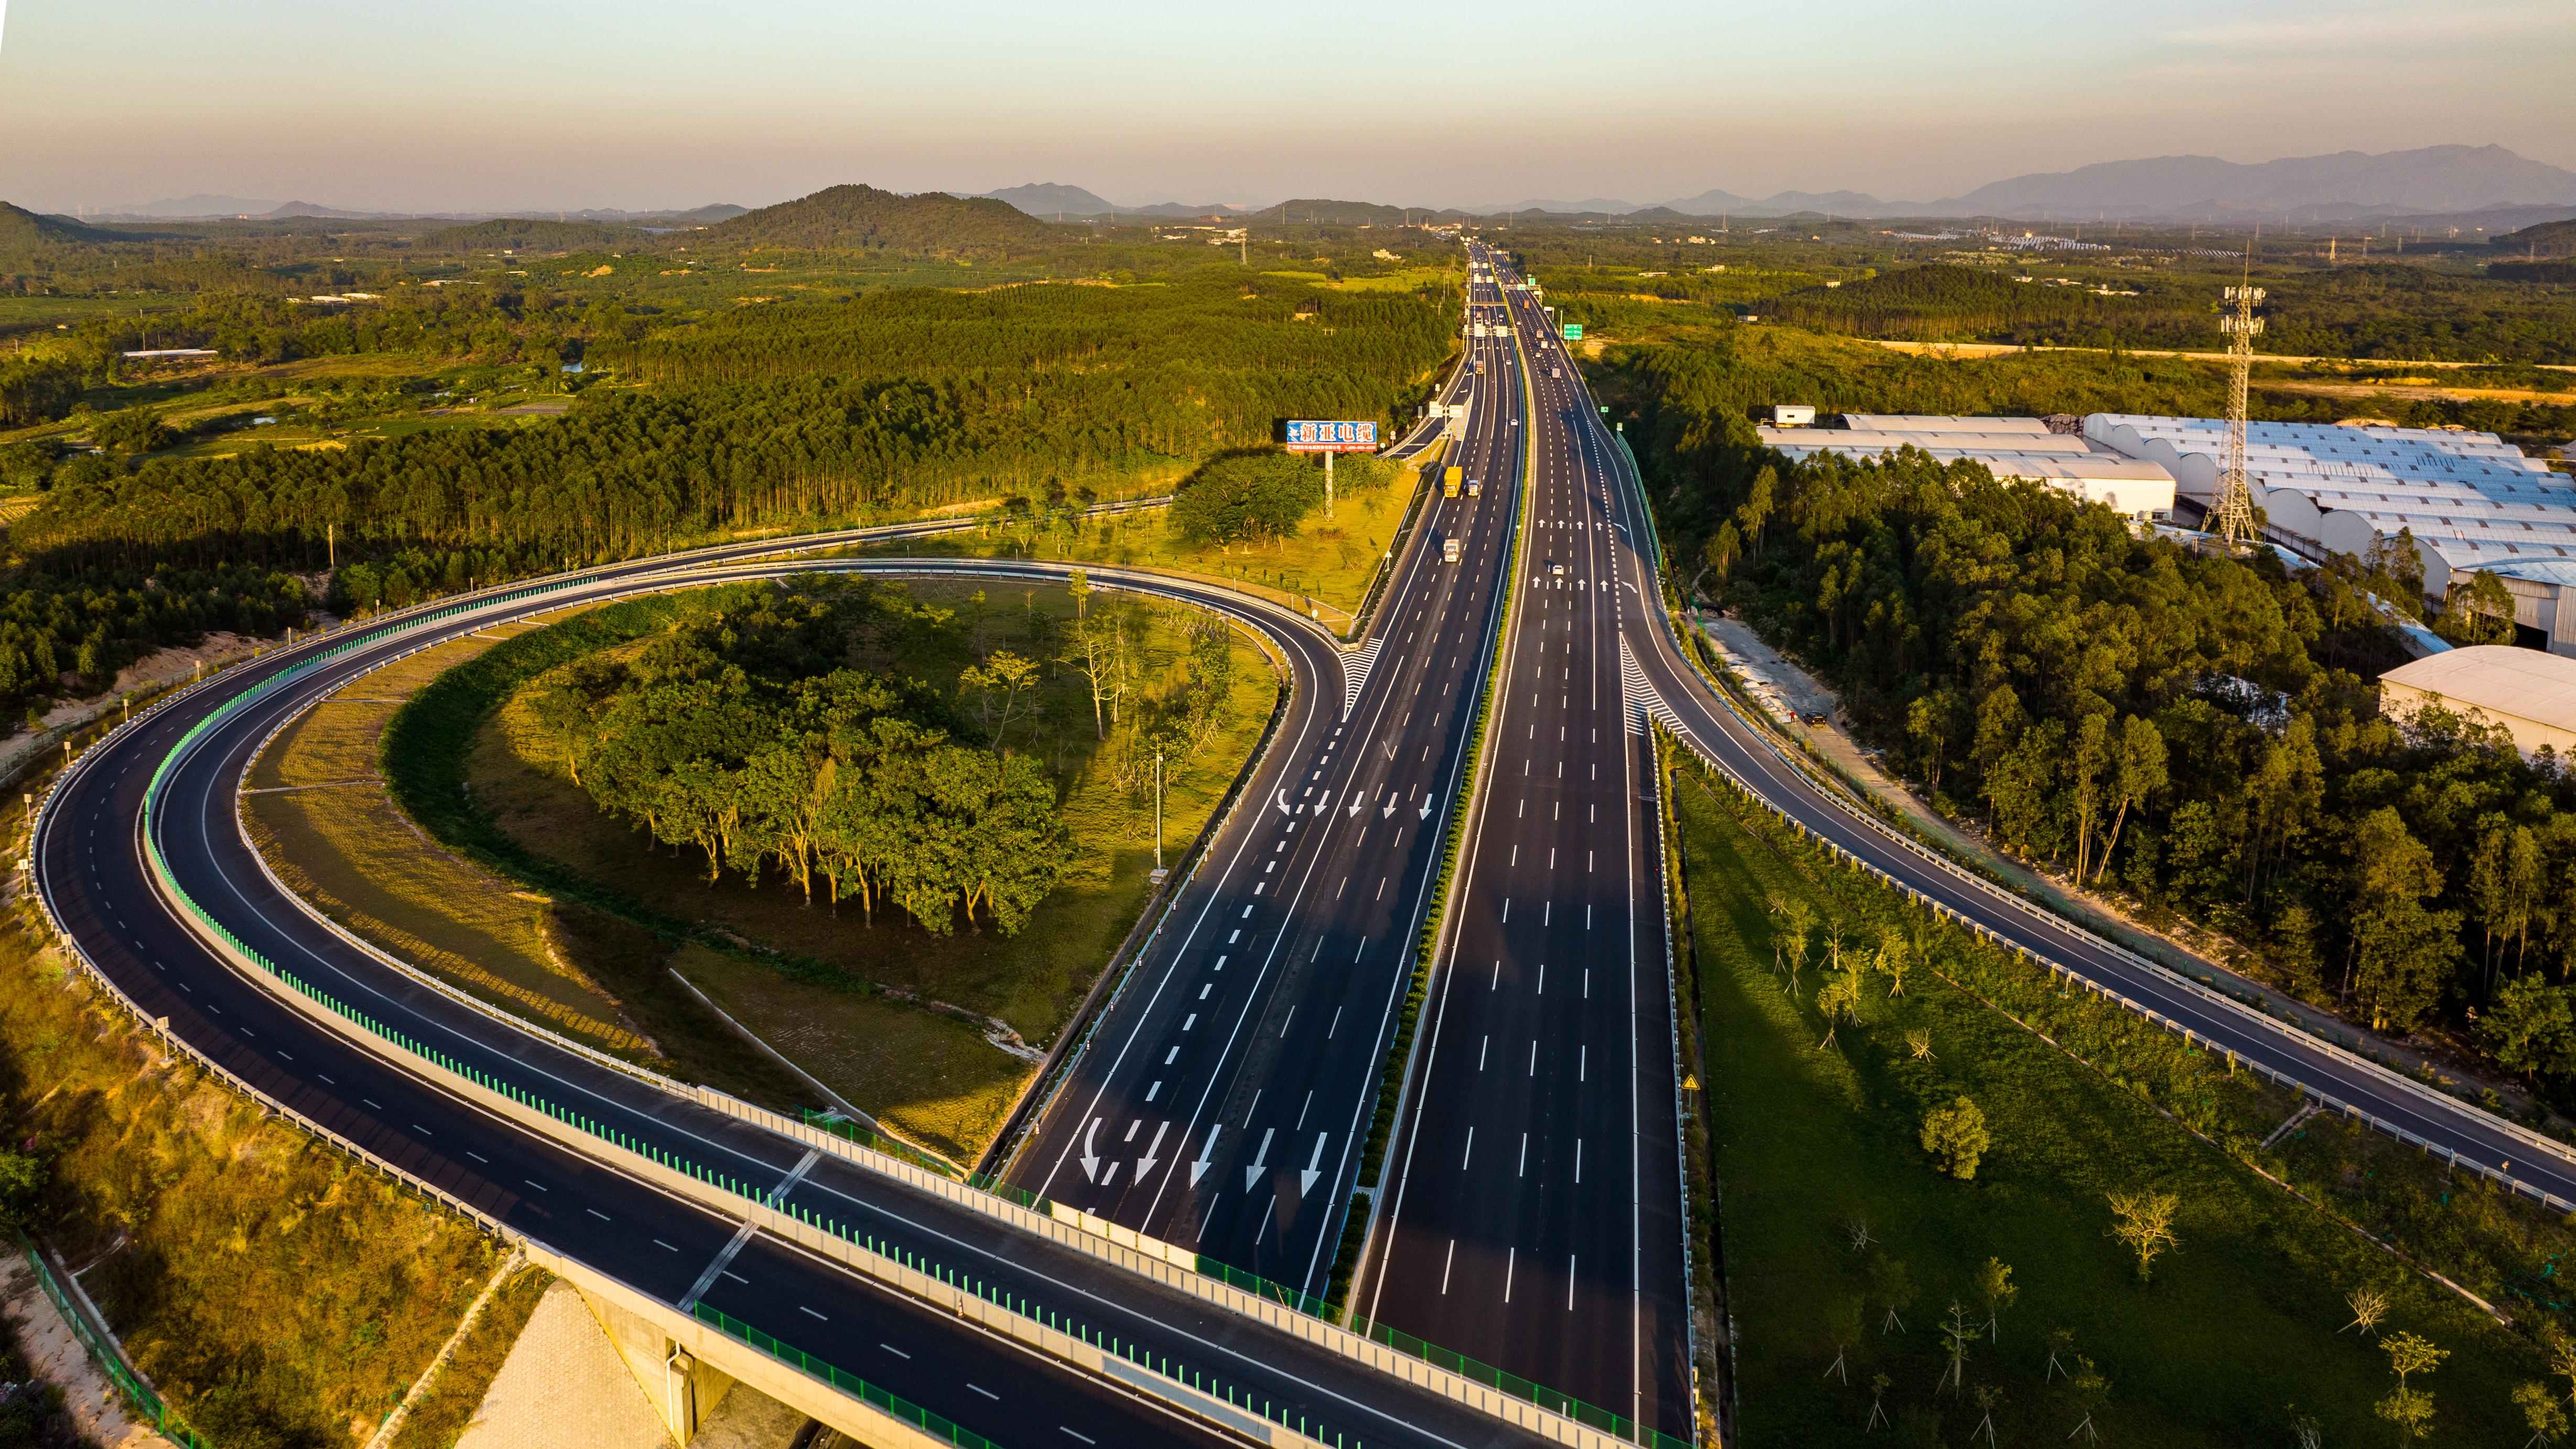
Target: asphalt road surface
(1221,1102)
(90,864)
(1535,1217)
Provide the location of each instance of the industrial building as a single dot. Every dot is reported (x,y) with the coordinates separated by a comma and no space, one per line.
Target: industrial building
(2471,500)
(2531,694)
(2008,447)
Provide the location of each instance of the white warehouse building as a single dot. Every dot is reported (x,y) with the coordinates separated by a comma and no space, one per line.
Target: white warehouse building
(2008,447)
(2472,500)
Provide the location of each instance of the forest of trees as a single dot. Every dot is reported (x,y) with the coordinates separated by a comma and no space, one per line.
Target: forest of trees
(2199,733)
(948,396)
(766,417)
(748,735)
(2378,309)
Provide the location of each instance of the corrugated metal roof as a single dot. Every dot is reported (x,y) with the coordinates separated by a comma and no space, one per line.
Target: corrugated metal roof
(2500,679)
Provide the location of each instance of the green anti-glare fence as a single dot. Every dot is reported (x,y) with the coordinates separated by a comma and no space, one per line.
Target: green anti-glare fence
(1180,1374)
(146,1403)
(1306,1303)
(848,1383)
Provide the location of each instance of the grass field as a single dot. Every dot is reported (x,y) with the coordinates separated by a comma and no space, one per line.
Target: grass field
(279,1295)
(2234,1341)
(318,811)
(328,829)
(1333,560)
(933,1079)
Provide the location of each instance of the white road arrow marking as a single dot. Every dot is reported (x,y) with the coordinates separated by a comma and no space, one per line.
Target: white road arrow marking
(1147,1164)
(1426,806)
(1352,809)
(1260,1160)
(1207,1158)
(1313,1170)
(1283,802)
(1323,800)
(1389,812)
(1091,1154)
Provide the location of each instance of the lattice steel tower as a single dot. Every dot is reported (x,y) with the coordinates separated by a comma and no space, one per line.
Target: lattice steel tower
(2232,512)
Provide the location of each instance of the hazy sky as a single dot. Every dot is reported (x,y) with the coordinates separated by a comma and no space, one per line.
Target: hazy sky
(648,103)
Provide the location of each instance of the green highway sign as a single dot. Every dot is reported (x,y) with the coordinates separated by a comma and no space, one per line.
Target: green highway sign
(1573,331)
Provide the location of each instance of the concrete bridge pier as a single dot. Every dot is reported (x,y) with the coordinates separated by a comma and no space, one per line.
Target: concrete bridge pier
(683,1388)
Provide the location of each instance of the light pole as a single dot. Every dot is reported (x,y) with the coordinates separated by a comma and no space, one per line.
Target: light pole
(1159,873)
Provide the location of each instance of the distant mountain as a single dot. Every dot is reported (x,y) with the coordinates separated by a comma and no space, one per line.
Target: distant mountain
(863,218)
(1597,205)
(2353,183)
(1320,211)
(193,208)
(23,231)
(523,234)
(1050,199)
(324,213)
(1714,202)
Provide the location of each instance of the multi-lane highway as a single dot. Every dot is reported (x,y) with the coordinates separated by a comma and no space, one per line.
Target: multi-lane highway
(1221,1102)
(1534,1217)
(93,867)
(1531,1212)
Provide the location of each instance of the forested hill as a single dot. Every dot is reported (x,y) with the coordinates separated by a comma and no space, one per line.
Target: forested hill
(863,218)
(23,231)
(511,232)
(2550,239)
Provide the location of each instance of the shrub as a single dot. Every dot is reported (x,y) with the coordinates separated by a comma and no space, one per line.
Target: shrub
(1246,498)
(1956,1137)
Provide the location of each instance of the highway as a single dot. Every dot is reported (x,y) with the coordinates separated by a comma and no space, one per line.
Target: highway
(1535,1214)
(1532,1212)
(1493,1074)
(1221,1100)
(91,867)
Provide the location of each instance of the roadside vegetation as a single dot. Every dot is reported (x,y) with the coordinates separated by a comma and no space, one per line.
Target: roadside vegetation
(1956,1194)
(276,1293)
(318,811)
(449,1405)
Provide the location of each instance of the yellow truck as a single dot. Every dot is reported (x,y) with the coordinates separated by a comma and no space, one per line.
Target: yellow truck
(1449,482)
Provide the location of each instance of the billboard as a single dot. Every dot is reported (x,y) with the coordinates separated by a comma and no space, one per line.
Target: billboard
(1322,437)
(1573,331)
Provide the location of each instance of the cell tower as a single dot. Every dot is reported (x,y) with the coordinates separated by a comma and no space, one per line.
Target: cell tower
(2232,513)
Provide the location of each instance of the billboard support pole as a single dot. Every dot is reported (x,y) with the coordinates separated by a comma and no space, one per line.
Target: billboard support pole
(1328,485)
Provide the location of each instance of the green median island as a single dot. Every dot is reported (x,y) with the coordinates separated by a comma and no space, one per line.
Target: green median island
(893,830)
(1935,1222)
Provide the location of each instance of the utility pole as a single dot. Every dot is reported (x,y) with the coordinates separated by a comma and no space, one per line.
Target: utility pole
(1159,872)
(331,542)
